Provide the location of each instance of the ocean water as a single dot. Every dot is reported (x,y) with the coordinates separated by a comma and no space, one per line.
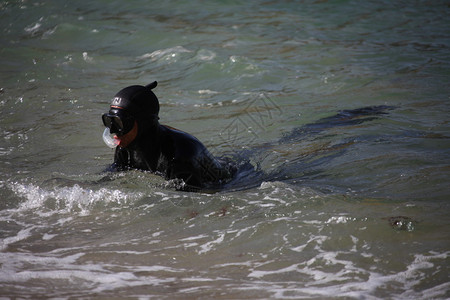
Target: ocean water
(339,202)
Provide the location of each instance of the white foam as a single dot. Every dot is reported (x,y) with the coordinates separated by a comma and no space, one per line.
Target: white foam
(68,270)
(165,54)
(338,220)
(87,58)
(209,245)
(206,55)
(355,282)
(192,238)
(68,199)
(21,235)
(208,92)
(47,236)
(33,27)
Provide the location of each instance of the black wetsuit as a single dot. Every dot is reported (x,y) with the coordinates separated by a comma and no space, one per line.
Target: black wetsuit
(173,154)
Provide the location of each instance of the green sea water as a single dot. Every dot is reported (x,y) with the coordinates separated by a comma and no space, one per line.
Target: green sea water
(355,209)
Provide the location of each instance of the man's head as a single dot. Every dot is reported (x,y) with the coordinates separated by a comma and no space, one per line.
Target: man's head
(139,101)
(131,107)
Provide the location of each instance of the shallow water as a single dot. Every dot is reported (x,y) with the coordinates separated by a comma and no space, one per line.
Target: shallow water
(333,207)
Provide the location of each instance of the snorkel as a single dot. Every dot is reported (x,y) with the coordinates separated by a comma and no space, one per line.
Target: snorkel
(109,139)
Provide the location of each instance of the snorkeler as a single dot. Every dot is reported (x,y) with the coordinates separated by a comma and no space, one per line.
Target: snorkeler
(142,143)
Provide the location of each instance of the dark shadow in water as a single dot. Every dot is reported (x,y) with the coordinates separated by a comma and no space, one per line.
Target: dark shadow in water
(343,118)
(305,165)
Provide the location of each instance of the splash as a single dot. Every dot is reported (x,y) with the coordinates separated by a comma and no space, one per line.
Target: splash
(68,199)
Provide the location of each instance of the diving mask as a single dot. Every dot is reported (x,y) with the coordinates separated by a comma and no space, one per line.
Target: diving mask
(118,121)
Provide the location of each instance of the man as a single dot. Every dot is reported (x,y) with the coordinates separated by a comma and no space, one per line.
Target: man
(144,144)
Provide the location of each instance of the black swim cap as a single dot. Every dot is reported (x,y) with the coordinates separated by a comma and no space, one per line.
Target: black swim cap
(137,100)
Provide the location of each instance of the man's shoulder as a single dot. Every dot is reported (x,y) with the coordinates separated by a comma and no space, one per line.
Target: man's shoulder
(185,144)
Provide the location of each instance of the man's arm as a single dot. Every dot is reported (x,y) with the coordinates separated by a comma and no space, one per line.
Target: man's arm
(120,161)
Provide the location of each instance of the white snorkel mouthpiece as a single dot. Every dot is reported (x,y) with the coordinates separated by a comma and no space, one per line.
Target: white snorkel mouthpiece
(109,140)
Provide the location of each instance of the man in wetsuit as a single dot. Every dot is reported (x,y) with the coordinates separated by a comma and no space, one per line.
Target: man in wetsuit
(144,144)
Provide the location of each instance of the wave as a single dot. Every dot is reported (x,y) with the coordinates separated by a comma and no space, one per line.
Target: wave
(68,199)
